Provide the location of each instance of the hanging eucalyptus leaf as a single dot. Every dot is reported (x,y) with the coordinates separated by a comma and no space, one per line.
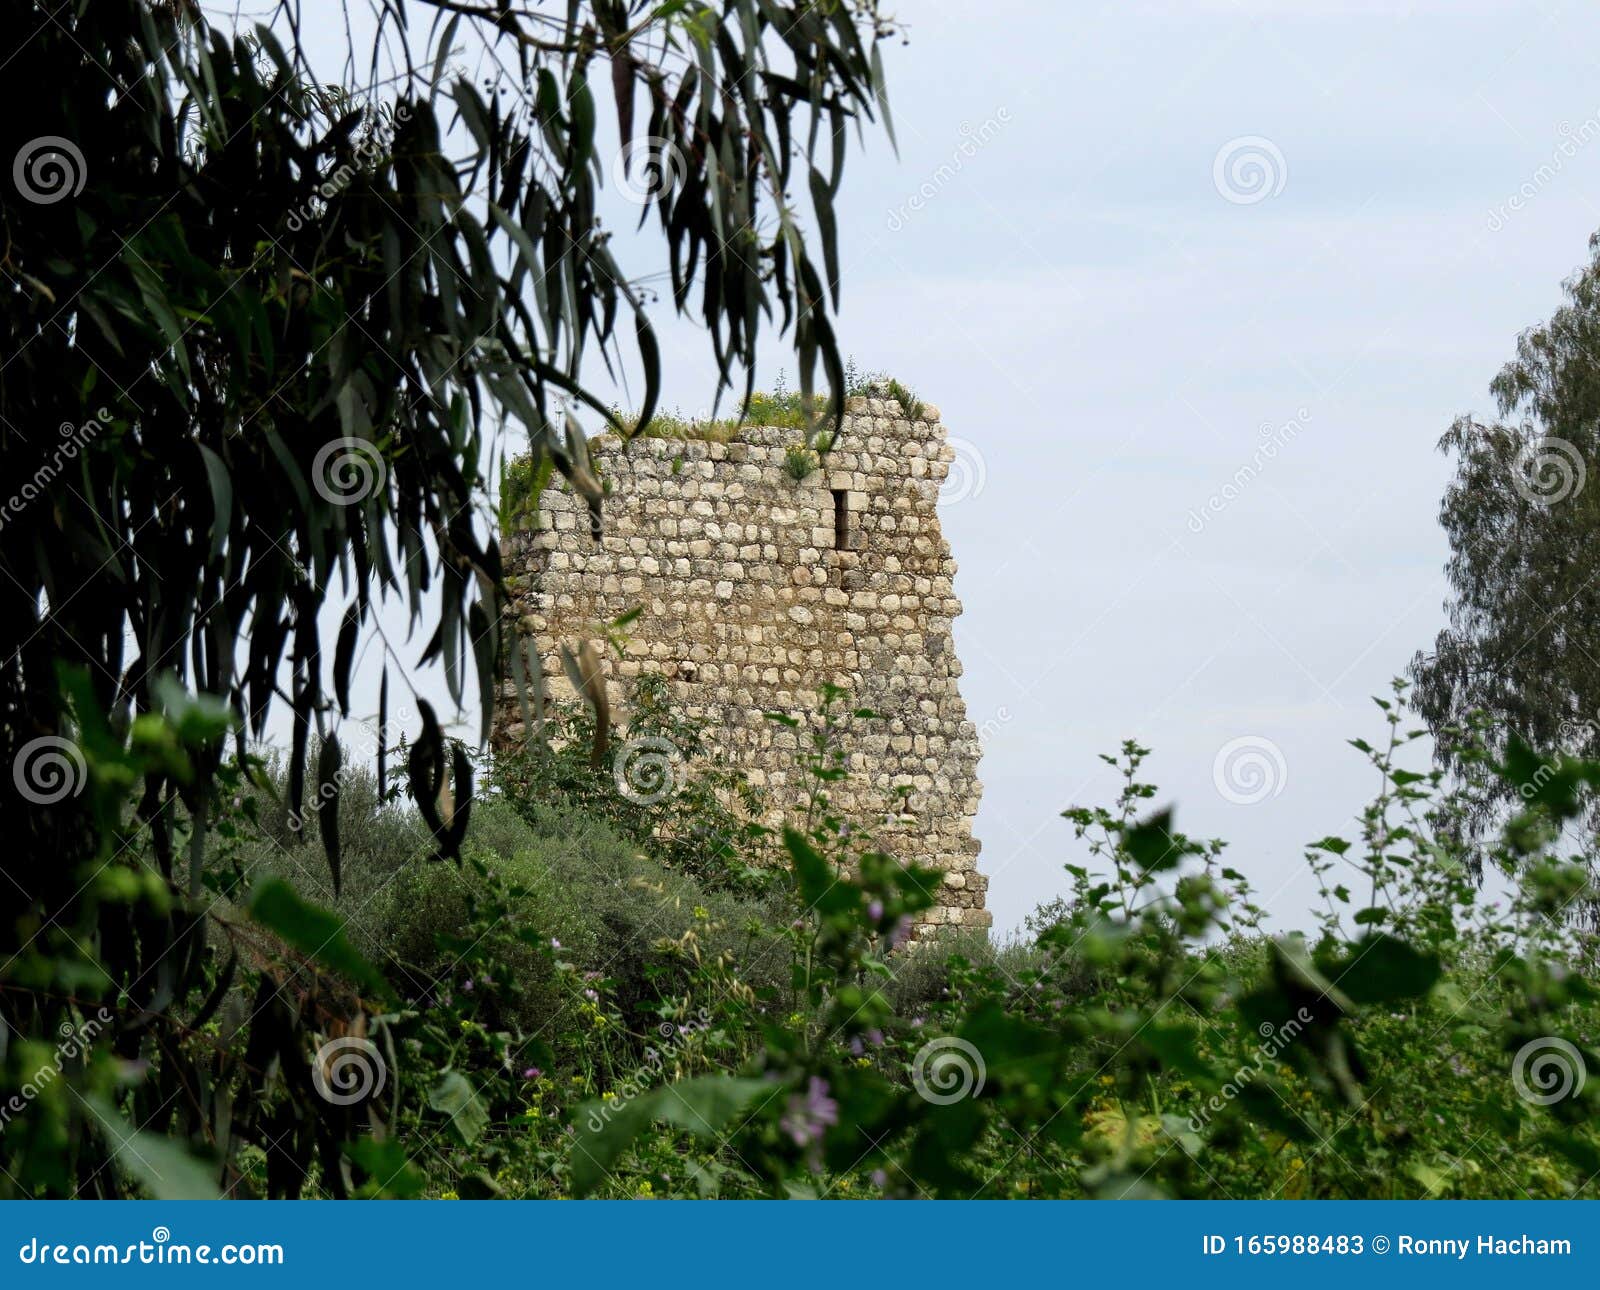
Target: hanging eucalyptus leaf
(329,765)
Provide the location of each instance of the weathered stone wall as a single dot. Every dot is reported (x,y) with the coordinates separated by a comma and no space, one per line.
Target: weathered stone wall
(755,590)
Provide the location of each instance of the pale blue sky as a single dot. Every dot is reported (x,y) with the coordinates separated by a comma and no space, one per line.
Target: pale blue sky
(1116,339)
(1113,335)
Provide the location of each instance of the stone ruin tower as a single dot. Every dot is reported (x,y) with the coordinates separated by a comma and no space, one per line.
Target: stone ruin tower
(756,588)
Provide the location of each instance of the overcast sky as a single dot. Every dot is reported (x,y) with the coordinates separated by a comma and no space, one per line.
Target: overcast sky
(1132,250)
(1118,321)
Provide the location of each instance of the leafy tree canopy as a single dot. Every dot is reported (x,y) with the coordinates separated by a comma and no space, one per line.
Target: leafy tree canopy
(256,334)
(1522,515)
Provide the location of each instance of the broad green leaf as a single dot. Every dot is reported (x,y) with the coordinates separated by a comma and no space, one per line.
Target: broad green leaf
(162,1166)
(1150,844)
(704,1107)
(453,1095)
(313,931)
(1383,969)
(389,1168)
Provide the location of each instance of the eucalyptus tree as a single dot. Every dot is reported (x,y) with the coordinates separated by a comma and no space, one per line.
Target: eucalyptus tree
(1520,657)
(257,328)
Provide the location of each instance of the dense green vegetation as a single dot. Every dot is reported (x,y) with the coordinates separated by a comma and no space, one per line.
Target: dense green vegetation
(283,326)
(582,1010)
(459,974)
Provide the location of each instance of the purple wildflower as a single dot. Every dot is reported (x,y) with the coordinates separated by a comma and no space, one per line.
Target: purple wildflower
(533,1072)
(875,910)
(806,1118)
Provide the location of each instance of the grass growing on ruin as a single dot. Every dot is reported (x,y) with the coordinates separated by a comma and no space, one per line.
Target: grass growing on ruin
(521,483)
(780,406)
(799,461)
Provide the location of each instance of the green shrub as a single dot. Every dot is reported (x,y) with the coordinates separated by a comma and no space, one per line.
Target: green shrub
(378,841)
(925,974)
(663,787)
(613,909)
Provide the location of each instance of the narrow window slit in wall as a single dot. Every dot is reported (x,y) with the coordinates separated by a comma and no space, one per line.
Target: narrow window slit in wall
(841,520)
